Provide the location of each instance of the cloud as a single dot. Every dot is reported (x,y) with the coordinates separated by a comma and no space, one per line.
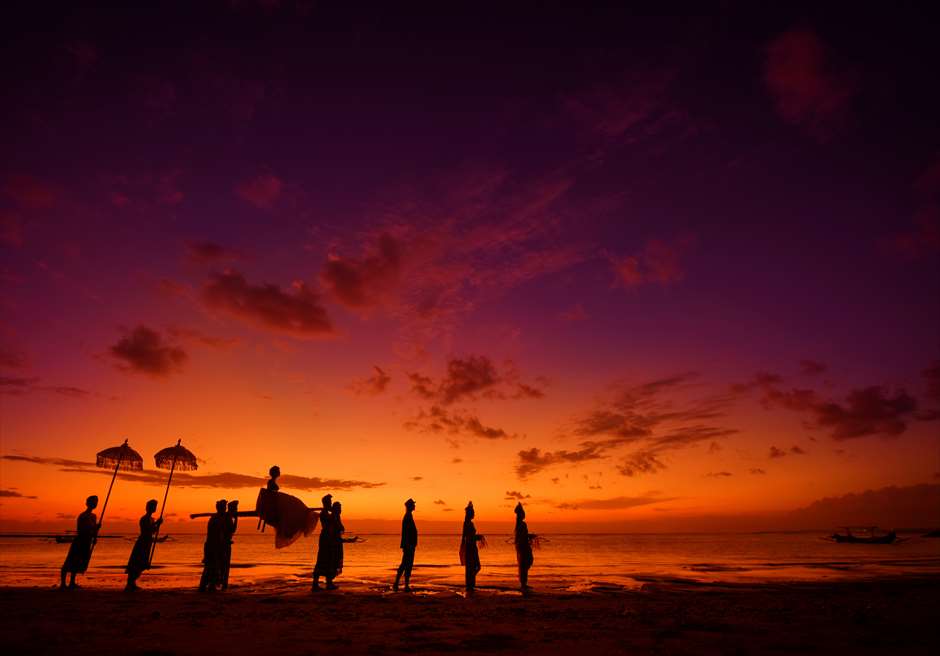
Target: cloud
(812,367)
(16,385)
(932,378)
(641,462)
(654,417)
(719,474)
(911,506)
(534,460)
(757,471)
(473,377)
(373,385)
(224,480)
(442,421)
(440,502)
(808,89)
(776,452)
(143,350)
(13,494)
(658,263)
(615,503)
(263,191)
(197,337)
(208,252)
(512,495)
(297,313)
(866,411)
(417,478)
(365,282)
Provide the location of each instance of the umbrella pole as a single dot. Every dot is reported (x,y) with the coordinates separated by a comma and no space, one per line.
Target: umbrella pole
(153,547)
(104,508)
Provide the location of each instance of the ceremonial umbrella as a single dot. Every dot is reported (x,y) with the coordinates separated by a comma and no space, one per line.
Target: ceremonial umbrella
(120,457)
(172,458)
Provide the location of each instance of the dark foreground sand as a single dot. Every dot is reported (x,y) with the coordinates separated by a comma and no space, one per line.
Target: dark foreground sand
(885,617)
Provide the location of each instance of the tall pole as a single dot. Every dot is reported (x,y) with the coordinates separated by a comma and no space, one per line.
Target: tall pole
(104,508)
(153,547)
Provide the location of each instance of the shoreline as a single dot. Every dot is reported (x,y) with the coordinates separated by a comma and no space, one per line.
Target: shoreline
(895,613)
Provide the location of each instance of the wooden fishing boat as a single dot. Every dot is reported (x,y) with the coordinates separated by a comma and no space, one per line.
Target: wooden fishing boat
(869,535)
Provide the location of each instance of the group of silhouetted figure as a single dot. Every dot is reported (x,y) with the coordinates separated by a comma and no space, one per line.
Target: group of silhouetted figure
(222,525)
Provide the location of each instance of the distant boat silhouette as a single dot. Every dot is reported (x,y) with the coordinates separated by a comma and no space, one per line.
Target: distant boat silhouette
(874,535)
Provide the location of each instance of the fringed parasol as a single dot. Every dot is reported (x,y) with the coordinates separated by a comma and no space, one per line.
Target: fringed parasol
(176,457)
(122,458)
(172,458)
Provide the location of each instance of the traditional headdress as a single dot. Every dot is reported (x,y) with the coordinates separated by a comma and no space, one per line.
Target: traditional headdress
(327,498)
(410,502)
(519,509)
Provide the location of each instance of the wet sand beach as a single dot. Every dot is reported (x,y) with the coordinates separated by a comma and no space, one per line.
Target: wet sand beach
(896,615)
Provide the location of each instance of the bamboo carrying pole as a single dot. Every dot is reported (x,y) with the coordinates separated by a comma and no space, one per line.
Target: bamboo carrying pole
(104,508)
(153,546)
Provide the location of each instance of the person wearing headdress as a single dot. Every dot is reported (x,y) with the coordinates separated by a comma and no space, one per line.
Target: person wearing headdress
(523,540)
(275,473)
(469,550)
(140,554)
(212,550)
(229,526)
(409,542)
(86,534)
(326,547)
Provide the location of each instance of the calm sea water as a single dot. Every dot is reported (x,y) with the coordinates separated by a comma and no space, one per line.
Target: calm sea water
(564,562)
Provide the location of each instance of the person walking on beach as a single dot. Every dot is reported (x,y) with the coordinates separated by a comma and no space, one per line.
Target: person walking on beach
(326,547)
(523,540)
(228,533)
(212,549)
(469,550)
(140,554)
(86,534)
(409,542)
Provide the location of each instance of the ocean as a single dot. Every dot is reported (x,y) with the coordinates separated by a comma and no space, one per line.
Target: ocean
(564,562)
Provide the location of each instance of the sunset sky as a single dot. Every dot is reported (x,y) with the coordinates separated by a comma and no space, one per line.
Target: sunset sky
(620,267)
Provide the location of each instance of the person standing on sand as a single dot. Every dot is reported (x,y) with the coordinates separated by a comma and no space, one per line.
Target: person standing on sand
(409,542)
(228,533)
(338,542)
(86,534)
(140,554)
(325,547)
(523,540)
(469,550)
(212,549)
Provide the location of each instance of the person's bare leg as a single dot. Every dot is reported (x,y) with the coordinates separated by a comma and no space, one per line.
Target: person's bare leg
(62,581)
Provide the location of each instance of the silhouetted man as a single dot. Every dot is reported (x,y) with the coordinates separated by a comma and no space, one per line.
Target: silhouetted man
(86,532)
(409,542)
(228,534)
(212,550)
(325,546)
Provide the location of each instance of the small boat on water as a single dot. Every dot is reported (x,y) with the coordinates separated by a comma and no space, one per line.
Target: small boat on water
(864,535)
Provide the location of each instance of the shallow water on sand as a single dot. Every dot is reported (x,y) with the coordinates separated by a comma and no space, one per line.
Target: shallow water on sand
(564,562)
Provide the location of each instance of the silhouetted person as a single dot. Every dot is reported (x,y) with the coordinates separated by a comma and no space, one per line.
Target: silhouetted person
(409,542)
(326,547)
(140,555)
(469,551)
(338,542)
(212,549)
(228,534)
(523,540)
(275,473)
(86,533)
